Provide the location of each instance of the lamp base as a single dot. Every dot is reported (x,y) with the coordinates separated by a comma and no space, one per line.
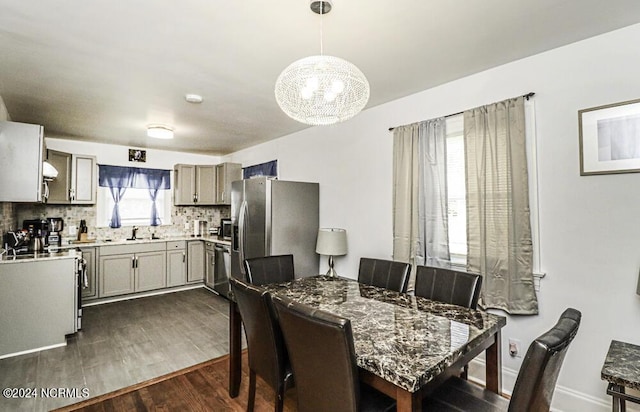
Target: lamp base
(331,272)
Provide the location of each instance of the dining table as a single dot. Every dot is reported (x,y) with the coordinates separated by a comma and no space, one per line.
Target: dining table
(405,345)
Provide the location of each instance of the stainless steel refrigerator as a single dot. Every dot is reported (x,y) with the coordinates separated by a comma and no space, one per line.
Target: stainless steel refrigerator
(274,217)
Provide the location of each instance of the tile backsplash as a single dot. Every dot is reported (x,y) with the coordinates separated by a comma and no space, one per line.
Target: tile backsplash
(72,214)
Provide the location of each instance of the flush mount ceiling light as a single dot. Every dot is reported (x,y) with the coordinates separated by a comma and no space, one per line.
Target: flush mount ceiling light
(193,98)
(321,90)
(159,131)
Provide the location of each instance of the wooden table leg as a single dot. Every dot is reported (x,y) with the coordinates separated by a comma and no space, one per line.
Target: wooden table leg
(494,365)
(235,350)
(407,401)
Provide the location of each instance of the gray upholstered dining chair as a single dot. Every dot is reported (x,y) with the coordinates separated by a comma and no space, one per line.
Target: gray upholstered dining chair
(267,352)
(269,269)
(535,383)
(386,274)
(448,286)
(323,359)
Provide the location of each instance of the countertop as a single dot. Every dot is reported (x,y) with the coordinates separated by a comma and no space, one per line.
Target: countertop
(32,257)
(138,241)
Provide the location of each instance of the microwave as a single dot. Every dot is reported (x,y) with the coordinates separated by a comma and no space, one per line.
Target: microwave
(225,229)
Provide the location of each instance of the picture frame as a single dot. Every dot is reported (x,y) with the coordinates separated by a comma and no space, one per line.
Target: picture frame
(610,138)
(137,155)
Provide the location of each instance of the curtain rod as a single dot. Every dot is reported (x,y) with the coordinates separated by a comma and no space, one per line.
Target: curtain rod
(526,96)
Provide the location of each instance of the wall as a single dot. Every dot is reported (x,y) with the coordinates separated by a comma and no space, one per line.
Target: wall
(588,225)
(118,155)
(7,212)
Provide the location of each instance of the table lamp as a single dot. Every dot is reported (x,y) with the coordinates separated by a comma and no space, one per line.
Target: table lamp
(331,242)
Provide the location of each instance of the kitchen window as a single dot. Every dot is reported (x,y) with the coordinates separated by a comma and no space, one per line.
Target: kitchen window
(135,207)
(133,196)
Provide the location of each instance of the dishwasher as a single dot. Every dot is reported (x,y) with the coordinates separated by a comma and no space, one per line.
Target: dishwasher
(222,270)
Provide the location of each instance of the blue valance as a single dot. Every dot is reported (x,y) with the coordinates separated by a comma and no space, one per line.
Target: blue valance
(269,169)
(123,177)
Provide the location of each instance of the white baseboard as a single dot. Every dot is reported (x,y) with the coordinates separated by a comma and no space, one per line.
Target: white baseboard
(564,399)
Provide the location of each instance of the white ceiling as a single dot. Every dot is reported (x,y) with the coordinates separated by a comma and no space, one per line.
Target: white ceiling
(102,70)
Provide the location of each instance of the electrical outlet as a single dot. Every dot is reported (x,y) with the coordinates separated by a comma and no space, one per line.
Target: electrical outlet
(186,226)
(514,348)
(73,230)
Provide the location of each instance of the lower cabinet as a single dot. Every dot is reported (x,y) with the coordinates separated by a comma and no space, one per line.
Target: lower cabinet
(122,273)
(176,263)
(195,257)
(89,285)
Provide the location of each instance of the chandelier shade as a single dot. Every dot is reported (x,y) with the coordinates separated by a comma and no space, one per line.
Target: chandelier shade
(321,90)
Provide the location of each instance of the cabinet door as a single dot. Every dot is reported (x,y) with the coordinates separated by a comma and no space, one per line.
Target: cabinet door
(225,174)
(60,187)
(151,271)
(116,275)
(195,257)
(89,290)
(205,185)
(184,188)
(83,179)
(176,267)
(210,267)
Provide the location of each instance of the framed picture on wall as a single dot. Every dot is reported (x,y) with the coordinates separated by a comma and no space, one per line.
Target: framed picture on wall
(137,155)
(610,138)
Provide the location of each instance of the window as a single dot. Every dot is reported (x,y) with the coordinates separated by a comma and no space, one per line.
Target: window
(456,191)
(135,207)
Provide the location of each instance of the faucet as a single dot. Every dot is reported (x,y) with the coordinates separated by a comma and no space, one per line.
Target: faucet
(133,234)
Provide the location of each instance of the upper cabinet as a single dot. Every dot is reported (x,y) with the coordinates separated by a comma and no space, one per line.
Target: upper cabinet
(225,174)
(204,185)
(194,184)
(77,178)
(21,149)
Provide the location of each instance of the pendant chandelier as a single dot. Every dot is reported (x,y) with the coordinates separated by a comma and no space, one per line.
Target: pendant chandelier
(321,90)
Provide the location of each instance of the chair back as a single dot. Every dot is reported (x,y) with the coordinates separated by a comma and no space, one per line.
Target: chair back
(322,356)
(541,366)
(269,269)
(448,286)
(386,274)
(267,352)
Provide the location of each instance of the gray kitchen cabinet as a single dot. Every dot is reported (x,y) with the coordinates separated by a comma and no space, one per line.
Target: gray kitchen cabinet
(194,184)
(225,174)
(89,286)
(210,263)
(116,275)
(196,264)
(176,263)
(131,268)
(150,271)
(77,178)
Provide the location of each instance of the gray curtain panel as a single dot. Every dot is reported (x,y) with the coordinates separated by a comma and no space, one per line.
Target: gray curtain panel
(433,227)
(498,217)
(420,234)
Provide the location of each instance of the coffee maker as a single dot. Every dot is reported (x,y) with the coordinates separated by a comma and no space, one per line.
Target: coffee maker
(54,239)
(38,231)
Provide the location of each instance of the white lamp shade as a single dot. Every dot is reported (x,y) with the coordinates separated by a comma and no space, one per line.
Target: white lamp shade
(332,242)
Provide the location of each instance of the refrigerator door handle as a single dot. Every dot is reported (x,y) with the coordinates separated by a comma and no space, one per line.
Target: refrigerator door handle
(241,234)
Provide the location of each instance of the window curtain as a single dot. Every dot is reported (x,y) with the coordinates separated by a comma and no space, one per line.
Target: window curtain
(119,178)
(269,169)
(498,215)
(420,229)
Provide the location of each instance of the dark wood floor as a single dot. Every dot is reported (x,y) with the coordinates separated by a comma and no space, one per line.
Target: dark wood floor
(121,344)
(199,388)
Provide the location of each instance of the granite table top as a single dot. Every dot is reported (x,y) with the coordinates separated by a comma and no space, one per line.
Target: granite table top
(622,365)
(404,339)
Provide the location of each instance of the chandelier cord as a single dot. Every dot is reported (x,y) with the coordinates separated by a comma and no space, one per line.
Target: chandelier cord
(321,16)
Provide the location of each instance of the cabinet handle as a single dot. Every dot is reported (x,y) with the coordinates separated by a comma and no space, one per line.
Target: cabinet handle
(136,262)
(133,262)
(184,257)
(72,194)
